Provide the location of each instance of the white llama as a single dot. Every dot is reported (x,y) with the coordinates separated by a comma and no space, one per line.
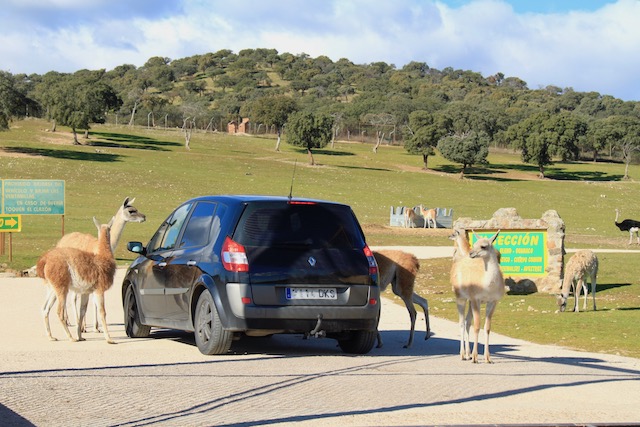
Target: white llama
(582,265)
(477,278)
(72,269)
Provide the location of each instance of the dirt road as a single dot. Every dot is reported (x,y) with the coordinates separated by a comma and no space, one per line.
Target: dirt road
(165,381)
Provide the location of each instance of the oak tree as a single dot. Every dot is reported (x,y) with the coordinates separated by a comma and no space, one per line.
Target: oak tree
(467,148)
(310,131)
(273,111)
(425,130)
(78,100)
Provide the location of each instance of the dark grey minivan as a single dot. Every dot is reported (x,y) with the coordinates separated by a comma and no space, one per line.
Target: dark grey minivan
(223,266)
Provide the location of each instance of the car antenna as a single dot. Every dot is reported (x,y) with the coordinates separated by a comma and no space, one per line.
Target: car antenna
(292,179)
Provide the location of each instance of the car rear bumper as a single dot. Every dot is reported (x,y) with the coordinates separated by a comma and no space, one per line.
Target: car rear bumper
(305,326)
(301,318)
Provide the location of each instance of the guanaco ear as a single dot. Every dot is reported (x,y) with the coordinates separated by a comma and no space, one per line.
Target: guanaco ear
(97,223)
(128,202)
(493,238)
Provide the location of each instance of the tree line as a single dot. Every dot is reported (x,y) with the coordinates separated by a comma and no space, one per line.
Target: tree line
(460,113)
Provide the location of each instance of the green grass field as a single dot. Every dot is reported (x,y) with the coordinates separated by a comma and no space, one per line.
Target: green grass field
(153,166)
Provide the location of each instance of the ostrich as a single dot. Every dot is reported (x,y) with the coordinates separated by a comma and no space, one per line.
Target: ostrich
(630,225)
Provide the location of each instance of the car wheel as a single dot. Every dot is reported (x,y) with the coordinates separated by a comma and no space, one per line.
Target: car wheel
(358,342)
(132,324)
(211,338)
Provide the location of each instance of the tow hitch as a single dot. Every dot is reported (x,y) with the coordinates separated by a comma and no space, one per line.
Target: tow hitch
(316,332)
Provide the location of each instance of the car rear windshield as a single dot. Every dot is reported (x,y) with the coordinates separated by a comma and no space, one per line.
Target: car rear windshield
(282,224)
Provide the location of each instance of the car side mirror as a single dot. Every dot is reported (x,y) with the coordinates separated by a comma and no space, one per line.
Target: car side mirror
(136,247)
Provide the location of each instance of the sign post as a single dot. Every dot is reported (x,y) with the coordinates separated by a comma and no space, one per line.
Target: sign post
(9,224)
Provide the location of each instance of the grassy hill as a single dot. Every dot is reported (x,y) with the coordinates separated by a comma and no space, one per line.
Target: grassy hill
(153,166)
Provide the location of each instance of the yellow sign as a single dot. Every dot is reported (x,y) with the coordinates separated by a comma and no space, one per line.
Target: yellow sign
(10,223)
(523,253)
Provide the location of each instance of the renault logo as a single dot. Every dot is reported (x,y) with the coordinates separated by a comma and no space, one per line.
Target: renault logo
(312,261)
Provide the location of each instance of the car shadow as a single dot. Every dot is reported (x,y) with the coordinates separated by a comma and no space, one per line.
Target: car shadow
(296,345)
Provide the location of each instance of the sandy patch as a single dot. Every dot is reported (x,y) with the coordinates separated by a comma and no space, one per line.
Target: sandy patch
(46,136)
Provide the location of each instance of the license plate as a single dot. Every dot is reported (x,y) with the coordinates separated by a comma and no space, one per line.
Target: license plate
(311,293)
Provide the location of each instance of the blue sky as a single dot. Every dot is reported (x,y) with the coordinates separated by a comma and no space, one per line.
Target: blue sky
(586,45)
(544,6)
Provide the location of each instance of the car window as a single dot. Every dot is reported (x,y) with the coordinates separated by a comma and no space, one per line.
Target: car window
(174,224)
(197,230)
(306,225)
(154,243)
(167,234)
(216,224)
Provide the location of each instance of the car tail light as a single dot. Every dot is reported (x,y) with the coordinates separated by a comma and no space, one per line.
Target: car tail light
(234,256)
(373,265)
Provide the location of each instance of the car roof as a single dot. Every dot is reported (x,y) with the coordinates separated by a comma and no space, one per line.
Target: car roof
(243,198)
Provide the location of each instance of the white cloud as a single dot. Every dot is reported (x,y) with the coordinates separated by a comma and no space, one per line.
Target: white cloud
(580,50)
(595,50)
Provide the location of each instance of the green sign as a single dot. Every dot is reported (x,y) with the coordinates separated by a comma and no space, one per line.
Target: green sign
(32,197)
(522,252)
(10,223)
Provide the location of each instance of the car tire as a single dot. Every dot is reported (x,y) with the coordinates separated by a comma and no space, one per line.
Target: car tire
(211,337)
(358,342)
(132,324)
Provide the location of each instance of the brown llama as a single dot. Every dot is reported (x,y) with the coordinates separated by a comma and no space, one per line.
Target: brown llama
(72,269)
(477,278)
(400,269)
(88,242)
(409,217)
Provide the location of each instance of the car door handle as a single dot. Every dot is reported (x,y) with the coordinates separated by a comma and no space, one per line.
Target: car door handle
(191,263)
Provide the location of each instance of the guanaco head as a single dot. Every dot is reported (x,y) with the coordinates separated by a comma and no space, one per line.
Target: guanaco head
(563,296)
(100,227)
(129,212)
(460,244)
(562,302)
(454,236)
(483,247)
